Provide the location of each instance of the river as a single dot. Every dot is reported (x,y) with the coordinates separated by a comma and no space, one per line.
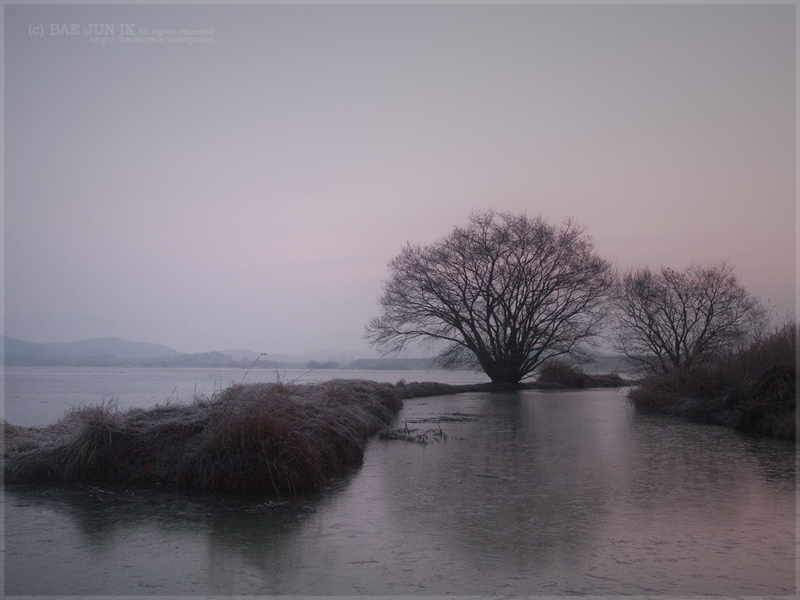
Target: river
(526,493)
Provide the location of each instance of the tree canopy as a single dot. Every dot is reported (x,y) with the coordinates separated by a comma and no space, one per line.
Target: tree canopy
(673,320)
(507,292)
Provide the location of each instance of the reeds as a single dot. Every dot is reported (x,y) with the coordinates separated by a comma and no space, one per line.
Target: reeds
(752,389)
(280,438)
(560,374)
(426,389)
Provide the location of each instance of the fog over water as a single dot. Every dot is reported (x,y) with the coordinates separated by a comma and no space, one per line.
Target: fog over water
(243,184)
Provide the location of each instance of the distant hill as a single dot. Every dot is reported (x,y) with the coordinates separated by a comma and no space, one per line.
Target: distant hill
(115,352)
(243,355)
(108,351)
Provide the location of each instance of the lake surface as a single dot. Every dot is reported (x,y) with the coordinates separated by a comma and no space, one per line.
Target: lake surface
(530,493)
(38,396)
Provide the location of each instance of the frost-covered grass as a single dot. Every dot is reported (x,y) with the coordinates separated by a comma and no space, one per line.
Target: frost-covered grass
(752,389)
(266,437)
(281,438)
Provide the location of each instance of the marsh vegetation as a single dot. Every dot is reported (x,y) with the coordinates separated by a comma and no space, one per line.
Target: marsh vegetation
(277,437)
(280,438)
(752,388)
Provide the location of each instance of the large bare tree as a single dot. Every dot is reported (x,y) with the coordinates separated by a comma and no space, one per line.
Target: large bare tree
(673,320)
(506,292)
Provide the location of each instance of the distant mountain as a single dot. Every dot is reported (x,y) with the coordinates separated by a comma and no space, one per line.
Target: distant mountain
(122,349)
(111,352)
(99,351)
(115,352)
(241,355)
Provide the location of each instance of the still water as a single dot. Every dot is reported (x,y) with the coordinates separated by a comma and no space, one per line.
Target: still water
(531,493)
(37,396)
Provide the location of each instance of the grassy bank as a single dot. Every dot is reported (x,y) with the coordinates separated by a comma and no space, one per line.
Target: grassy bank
(555,376)
(280,438)
(264,437)
(752,390)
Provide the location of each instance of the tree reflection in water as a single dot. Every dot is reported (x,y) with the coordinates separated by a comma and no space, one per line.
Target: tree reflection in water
(545,493)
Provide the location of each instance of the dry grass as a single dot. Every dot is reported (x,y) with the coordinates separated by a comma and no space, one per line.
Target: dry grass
(279,437)
(426,389)
(752,389)
(559,373)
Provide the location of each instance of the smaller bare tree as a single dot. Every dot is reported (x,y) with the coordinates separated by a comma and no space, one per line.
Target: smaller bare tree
(673,320)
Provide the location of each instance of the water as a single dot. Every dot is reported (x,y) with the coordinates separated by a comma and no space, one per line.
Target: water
(531,493)
(37,396)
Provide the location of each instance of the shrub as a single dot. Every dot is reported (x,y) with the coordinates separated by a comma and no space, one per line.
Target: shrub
(752,389)
(559,373)
(562,373)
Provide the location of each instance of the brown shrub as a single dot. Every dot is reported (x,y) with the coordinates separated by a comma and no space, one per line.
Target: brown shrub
(752,389)
(562,373)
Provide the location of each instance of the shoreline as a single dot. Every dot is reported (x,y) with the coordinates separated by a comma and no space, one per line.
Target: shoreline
(407,391)
(278,438)
(282,439)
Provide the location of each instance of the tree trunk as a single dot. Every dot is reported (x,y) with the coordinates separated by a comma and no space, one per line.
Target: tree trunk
(502,372)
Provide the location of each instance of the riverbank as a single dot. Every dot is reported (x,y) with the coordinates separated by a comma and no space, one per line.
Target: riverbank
(752,390)
(281,438)
(555,377)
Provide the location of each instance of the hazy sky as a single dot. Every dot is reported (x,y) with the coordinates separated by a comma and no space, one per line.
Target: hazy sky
(247,191)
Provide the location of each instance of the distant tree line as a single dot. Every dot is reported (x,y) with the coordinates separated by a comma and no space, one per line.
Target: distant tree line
(199,359)
(330,364)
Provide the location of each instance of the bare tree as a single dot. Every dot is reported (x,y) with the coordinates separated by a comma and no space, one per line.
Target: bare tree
(673,320)
(506,293)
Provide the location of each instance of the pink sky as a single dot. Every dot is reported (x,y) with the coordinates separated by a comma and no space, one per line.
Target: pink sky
(247,192)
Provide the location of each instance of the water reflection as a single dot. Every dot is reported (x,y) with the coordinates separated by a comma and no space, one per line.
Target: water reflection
(516,500)
(541,493)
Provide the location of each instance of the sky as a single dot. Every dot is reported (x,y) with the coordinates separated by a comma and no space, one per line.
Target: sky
(244,185)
